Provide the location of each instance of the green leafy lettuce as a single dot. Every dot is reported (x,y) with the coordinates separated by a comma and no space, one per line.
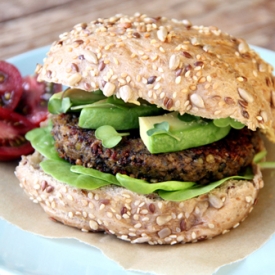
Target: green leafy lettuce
(89,179)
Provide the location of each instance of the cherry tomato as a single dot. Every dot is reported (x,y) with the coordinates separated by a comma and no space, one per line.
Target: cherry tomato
(13,128)
(34,100)
(10,85)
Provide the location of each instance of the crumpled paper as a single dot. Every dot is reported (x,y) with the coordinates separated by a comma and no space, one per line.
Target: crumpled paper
(198,258)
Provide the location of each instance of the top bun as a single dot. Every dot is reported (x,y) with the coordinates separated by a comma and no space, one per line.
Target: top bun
(191,69)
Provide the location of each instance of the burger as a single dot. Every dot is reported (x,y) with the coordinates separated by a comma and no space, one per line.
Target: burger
(157,136)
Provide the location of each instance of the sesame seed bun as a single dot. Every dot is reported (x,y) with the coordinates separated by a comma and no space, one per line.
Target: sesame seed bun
(137,218)
(191,69)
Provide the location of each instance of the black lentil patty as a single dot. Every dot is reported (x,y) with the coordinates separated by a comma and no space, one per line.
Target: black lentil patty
(204,164)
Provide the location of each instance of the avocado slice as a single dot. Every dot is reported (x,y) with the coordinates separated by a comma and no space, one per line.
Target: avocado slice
(121,117)
(180,134)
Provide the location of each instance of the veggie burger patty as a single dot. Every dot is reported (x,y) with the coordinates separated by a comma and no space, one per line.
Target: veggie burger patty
(203,164)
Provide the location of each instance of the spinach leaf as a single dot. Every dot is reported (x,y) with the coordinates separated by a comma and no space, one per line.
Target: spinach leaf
(109,136)
(144,187)
(228,121)
(161,128)
(197,190)
(95,174)
(61,171)
(42,141)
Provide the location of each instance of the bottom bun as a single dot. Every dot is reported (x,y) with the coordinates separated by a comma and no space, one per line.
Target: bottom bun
(138,218)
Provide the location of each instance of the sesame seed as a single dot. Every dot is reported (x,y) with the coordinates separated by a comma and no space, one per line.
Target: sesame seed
(211,225)
(70,197)
(180,215)
(187,74)
(240,79)
(122,81)
(154,57)
(202,80)
(160,70)
(138,225)
(161,49)
(248,199)
(91,216)
(102,206)
(36,186)
(141,204)
(70,214)
(236,225)
(215,85)
(109,214)
(128,79)
(144,211)
(84,214)
(157,86)
(178,80)
(209,78)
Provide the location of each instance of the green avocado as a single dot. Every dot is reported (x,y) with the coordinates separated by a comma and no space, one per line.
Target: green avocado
(121,117)
(167,133)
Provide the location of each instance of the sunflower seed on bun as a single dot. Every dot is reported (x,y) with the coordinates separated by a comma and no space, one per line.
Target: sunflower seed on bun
(180,68)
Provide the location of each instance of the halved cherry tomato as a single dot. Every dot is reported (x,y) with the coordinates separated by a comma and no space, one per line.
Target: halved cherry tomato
(13,128)
(10,85)
(34,100)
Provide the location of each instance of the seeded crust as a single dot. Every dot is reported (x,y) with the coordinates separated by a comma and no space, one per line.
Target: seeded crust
(192,69)
(137,218)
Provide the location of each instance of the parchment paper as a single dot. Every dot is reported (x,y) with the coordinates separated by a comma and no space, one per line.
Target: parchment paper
(201,258)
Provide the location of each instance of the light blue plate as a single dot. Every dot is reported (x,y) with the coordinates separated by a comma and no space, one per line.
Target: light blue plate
(23,253)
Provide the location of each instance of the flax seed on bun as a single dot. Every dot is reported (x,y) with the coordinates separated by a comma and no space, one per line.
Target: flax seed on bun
(191,69)
(179,67)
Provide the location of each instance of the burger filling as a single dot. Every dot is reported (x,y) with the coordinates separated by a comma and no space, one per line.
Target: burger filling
(204,164)
(96,141)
